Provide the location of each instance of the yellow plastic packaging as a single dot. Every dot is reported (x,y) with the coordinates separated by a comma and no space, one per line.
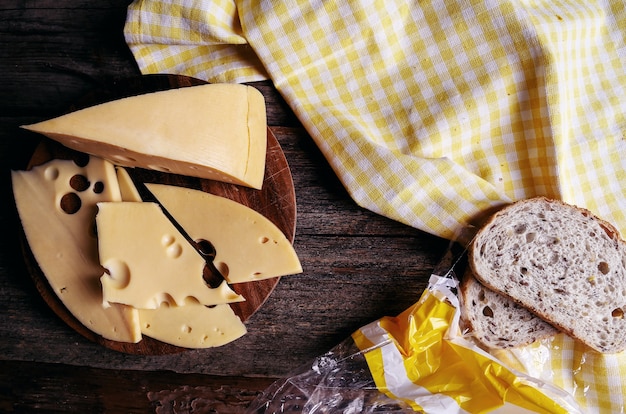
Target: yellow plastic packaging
(421,358)
(418,361)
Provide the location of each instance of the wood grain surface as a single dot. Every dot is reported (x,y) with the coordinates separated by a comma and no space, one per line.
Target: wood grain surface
(358,266)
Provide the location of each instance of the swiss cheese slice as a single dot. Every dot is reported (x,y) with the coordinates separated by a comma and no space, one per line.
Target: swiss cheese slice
(193,325)
(248,246)
(189,326)
(56,203)
(148,262)
(214,131)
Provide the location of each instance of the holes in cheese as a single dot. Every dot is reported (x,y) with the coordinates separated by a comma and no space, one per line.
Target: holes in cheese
(235,230)
(79,182)
(214,131)
(223,269)
(70,203)
(118,273)
(67,253)
(193,325)
(148,262)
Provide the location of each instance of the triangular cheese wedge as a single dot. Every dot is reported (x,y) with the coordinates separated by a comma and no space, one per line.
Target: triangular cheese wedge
(148,262)
(56,202)
(249,246)
(213,131)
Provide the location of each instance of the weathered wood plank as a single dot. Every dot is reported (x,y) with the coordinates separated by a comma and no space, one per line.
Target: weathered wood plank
(57,388)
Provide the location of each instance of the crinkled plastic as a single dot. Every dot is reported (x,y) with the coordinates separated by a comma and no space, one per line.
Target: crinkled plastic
(337,382)
(418,361)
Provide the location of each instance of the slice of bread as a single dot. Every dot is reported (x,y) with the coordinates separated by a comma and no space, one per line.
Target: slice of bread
(497,321)
(562,263)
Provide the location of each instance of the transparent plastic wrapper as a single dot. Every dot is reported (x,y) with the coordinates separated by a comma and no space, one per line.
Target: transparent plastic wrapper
(337,382)
(423,361)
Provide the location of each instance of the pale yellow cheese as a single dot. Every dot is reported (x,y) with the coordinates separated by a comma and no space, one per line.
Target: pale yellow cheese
(193,325)
(64,243)
(148,261)
(249,246)
(127,187)
(189,326)
(214,131)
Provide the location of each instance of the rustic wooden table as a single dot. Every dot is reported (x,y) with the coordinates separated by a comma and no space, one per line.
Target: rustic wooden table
(358,266)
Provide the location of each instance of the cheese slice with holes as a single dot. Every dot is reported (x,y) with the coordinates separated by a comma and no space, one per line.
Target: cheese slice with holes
(214,131)
(249,246)
(193,325)
(56,202)
(189,326)
(148,262)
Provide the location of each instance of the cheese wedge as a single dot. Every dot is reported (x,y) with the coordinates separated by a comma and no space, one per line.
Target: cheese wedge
(193,325)
(148,262)
(213,131)
(189,326)
(249,246)
(56,203)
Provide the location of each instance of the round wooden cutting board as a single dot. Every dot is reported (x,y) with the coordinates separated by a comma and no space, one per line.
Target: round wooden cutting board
(276,201)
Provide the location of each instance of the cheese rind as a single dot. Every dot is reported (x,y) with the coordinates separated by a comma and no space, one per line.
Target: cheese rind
(192,326)
(148,262)
(213,131)
(249,246)
(62,238)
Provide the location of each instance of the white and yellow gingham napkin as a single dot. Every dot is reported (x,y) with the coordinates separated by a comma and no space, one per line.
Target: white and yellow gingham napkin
(433,112)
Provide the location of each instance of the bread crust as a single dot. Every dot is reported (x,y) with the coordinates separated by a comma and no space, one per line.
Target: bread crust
(495,320)
(562,263)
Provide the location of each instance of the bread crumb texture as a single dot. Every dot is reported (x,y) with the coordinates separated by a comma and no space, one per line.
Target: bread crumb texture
(562,263)
(497,321)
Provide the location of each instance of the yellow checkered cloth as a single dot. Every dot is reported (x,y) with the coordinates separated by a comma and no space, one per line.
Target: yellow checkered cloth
(432,112)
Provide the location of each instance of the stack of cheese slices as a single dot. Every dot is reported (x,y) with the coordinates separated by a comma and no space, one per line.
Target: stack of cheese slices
(540,266)
(135,274)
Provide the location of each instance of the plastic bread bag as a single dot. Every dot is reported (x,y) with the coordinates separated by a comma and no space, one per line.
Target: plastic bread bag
(418,361)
